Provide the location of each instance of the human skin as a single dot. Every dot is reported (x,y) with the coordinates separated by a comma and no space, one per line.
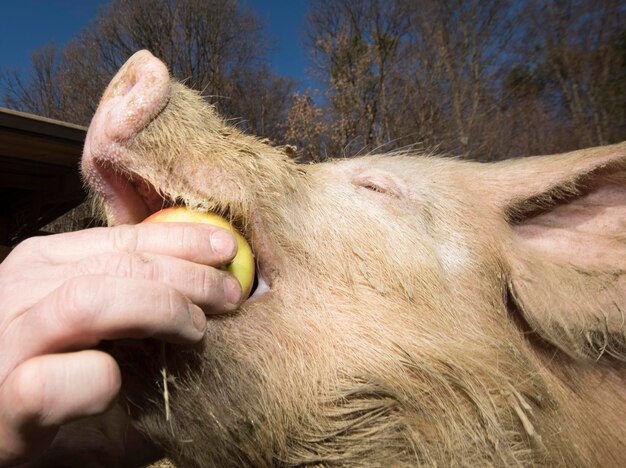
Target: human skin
(61,295)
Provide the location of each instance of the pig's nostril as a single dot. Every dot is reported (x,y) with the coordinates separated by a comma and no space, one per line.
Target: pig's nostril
(123,86)
(127,87)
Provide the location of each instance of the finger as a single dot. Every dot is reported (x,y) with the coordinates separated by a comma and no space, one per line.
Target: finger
(47,391)
(88,309)
(212,289)
(199,243)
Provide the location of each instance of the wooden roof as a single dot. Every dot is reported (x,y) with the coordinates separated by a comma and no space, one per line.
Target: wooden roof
(39,172)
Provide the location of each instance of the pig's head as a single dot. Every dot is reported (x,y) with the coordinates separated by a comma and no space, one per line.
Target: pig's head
(417,309)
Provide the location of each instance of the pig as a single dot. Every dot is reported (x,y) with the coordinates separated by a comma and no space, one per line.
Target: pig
(410,309)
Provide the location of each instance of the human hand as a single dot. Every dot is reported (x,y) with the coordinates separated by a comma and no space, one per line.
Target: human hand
(61,295)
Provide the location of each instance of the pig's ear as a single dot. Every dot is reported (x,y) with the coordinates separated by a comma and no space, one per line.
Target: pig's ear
(567,254)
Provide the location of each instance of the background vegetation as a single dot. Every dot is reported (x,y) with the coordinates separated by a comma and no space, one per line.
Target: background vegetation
(481,79)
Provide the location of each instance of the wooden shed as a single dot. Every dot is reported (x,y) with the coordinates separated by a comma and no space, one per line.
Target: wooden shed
(39,173)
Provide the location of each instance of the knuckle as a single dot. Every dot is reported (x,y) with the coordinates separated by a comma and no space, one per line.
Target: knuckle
(125,238)
(122,265)
(76,300)
(208,281)
(176,303)
(142,266)
(190,238)
(125,265)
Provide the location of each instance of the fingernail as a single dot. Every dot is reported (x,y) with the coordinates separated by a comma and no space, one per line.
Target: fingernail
(197,317)
(223,243)
(232,290)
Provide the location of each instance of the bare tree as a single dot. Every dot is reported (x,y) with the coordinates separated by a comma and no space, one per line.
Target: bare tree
(575,45)
(405,70)
(357,46)
(40,95)
(485,79)
(457,54)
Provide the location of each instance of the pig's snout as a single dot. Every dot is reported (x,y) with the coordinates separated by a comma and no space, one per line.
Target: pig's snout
(137,93)
(135,96)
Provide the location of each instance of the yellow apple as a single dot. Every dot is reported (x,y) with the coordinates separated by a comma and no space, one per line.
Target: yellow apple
(242,266)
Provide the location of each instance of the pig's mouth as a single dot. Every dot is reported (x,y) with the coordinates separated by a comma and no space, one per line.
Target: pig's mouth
(129,198)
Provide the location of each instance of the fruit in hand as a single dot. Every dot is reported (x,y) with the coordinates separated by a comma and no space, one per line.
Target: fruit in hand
(241,267)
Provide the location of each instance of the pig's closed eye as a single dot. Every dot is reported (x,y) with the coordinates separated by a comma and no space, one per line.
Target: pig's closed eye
(378,184)
(373,187)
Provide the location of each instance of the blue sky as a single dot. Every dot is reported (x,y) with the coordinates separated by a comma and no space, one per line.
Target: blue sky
(26,25)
